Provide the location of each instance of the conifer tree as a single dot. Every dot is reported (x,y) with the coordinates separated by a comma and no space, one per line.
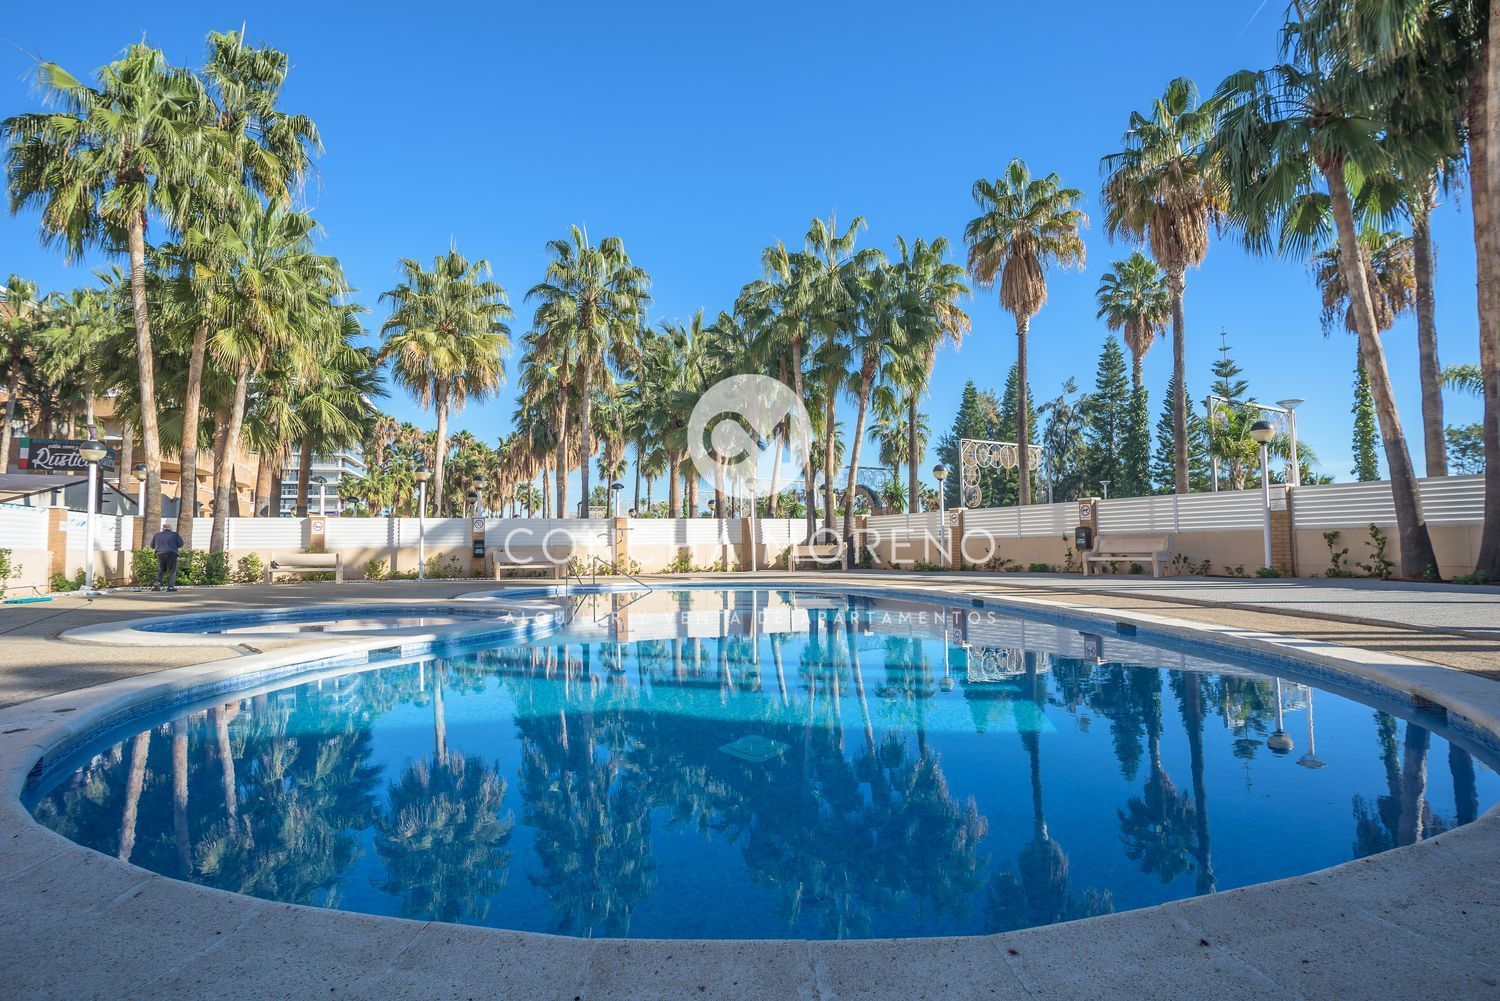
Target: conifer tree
(1164,461)
(1007,485)
(1135,455)
(1106,417)
(969,422)
(1227,382)
(1366,433)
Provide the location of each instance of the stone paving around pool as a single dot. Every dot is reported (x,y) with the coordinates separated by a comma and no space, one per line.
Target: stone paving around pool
(1418,921)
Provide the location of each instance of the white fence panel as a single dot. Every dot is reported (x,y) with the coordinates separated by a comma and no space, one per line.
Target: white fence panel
(526,533)
(1225,511)
(1030,522)
(439,532)
(781,532)
(904,527)
(22,527)
(1446,500)
(360,532)
(261,534)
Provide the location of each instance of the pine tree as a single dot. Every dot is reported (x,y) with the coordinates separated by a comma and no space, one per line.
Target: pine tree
(1007,486)
(969,422)
(1366,433)
(1106,417)
(1164,461)
(1228,385)
(1135,455)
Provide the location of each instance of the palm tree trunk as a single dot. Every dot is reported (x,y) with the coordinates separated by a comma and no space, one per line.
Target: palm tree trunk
(263,507)
(1430,372)
(638,459)
(439,447)
(829,433)
(224,457)
(1176,286)
(180,795)
(773,506)
(585,432)
(12,387)
(134,782)
(546,492)
(674,484)
(807,469)
(1417,557)
(220,716)
(187,491)
(1484,160)
(1023,408)
(560,464)
(135,236)
(304,476)
(1135,371)
(127,458)
(866,379)
(912,460)
(1413,785)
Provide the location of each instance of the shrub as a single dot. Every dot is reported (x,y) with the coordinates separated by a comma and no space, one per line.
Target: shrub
(681,563)
(1237,570)
(1268,572)
(445,567)
(216,568)
(1478,577)
(249,570)
(8,568)
(375,570)
(143,567)
(62,582)
(1336,566)
(1379,566)
(190,567)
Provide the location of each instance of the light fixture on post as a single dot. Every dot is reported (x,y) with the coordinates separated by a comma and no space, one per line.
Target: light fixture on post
(1291,405)
(1105,484)
(422,475)
(140,491)
(322,482)
(1261,432)
(1280,742)
(753,485)
(479,485)
(92,452)
(615,489)
(940,473)
(472,497)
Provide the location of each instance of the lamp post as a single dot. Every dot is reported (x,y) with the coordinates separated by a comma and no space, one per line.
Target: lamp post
(1105,484)
(940,473)
(140,491)
(1279,741)
(615,489)
(472,497)
(1291,405)
(322,482)
(92,452)
(479,484)
(753,485)
(422,475)
(1261,432)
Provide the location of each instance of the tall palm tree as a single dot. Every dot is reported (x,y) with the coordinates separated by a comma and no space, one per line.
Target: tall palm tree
(1160,190)
(1024,224)
(99,167)
(1134,298)
(590,306)
(78,328)
(20,316)
(446,338)
(1289,139)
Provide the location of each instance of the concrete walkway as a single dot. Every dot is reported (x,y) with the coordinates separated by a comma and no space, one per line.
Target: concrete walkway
(1420,921)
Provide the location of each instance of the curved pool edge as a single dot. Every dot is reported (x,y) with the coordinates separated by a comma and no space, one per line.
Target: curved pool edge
(1426,913)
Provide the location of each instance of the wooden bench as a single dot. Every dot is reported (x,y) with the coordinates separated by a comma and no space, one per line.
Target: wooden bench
(301,563)
(825,554)
(1136,548)
(500,563)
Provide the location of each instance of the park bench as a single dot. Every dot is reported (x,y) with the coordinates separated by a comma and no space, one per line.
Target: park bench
(301,563)
(825,554)
(1136,548)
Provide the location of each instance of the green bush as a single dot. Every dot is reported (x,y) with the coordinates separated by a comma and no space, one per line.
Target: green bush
(143,567)
(1268,572)
(249,570)
(216,568)
(1478,577)
(375,570)
(445,567)
(1039,567)
(62,582)
(8,568)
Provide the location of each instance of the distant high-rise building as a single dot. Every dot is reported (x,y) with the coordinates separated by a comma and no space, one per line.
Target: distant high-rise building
(322,499)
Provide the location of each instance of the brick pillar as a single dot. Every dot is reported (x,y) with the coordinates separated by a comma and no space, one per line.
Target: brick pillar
(1283,539)
(750,544)
(1088,516)
(477,559)
(955,530)
(317,535)
(57,541)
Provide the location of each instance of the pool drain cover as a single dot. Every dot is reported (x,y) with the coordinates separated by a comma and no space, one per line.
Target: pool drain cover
(754,749)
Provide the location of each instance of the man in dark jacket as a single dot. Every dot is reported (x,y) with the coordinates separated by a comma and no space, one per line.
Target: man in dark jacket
(166,543)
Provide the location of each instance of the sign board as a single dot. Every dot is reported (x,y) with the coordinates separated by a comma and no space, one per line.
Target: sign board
(478,525)
(1085,511)
(59,455)
(952,519)
(319,526)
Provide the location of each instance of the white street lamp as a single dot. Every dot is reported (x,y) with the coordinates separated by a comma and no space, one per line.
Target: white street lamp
(1262,432)
(140,492)
(422,475)
(1105,484)
(616,488)
(1291,405)
(92,452)
(940,473)
(753,485)
(322,482)
(1280,742)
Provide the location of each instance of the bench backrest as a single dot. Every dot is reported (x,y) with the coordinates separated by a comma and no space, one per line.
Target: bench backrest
(305,560)
(1133,543)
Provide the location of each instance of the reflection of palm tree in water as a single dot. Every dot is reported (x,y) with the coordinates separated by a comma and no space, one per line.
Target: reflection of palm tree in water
(1040,896)
(1402,816)
(1157,826)
(1191,705)
(443,840)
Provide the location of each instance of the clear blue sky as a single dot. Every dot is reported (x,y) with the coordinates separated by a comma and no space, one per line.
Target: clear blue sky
(700,133)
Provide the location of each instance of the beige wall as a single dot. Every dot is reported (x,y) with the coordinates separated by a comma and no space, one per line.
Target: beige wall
(1457,548)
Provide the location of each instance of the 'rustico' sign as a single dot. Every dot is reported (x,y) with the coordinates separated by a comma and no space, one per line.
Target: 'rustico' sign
(60,455)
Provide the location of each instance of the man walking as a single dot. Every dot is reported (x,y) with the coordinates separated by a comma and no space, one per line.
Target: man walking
(166,543)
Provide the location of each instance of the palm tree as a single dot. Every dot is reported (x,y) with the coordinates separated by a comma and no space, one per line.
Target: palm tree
(590,306)
(97,168)
(1279,132)
(1161,191)
(446,338)
(1389,274)
(1024,225)
(1134,298)
(20,316)
(78,327)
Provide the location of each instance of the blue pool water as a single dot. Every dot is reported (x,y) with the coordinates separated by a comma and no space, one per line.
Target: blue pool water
(320,618)
(753,764)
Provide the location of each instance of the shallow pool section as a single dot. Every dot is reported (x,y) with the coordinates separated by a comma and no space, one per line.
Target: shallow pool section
(783,764)
(320,619)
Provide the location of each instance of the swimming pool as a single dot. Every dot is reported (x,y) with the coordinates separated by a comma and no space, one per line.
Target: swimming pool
(320,619)
(783,764)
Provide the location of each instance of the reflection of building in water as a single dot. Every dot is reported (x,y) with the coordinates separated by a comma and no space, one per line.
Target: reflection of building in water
(992,664)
